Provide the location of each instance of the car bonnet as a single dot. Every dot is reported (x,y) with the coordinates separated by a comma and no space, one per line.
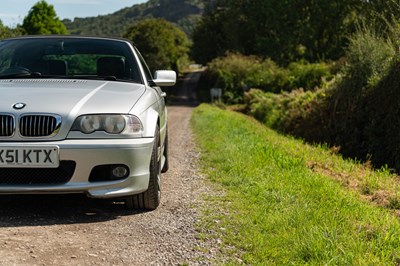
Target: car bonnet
(68,97)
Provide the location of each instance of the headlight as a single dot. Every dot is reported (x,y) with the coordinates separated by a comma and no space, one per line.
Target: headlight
(112,124)
(89,123)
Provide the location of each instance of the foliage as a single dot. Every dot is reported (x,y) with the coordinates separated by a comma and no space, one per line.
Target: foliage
(369,58)
(301,113)
(380,14)
(365,102)
(359,113)
(308,76)
(162,43)
(42,19)
(282,30)
(184,13)
(235,74)
(6,32)
(283,202)
(379,140)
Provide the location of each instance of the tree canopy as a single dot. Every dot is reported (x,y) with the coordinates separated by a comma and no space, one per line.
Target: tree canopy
(42,19)
(6,32)
(161,43)
(288,30)
(282,30)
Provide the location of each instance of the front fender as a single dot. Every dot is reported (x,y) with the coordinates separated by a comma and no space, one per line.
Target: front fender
(149,119)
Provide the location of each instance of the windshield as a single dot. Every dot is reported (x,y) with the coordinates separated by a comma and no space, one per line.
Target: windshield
(82,58)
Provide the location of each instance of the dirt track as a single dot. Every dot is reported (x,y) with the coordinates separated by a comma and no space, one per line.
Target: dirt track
(65,230)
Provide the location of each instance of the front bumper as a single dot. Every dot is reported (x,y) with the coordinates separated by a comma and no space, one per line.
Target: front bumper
(134,153)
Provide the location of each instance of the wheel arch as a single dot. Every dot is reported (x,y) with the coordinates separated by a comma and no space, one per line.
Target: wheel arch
(150,120)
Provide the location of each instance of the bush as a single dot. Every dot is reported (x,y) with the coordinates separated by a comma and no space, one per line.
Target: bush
(370,60)
(292,112)
(309,76)
(380,138)
(6,32)
(236,73)
(359,112)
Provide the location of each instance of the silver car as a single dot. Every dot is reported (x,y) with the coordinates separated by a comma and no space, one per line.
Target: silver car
(82,115)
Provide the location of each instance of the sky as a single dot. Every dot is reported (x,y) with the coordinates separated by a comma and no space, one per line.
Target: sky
(13,12)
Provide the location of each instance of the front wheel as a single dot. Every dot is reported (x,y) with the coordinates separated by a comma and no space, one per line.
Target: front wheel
(150,199)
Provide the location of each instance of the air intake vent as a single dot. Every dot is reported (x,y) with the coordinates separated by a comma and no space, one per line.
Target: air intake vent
(38,176)
(39,125)
(7,126)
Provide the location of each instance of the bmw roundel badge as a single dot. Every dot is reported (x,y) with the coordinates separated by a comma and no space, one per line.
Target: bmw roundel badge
(19,106)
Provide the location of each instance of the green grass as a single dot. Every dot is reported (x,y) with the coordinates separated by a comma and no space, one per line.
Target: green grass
(283,202)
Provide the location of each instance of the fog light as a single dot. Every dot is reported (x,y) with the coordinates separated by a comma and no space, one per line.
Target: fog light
(120,172)
(109,172)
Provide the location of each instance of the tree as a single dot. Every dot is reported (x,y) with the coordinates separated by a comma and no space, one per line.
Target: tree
(42,19)
(282,30)
(161,43)
(6,32)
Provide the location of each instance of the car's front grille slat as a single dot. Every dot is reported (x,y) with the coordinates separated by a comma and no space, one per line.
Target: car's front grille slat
(7,125)
(39,125)
(42,125)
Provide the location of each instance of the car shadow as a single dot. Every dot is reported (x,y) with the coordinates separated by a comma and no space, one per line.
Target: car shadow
(40,210)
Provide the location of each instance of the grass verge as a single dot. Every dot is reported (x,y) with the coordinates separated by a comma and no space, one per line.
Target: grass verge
(282,202)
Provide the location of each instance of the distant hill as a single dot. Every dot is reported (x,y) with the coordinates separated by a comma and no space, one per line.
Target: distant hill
(185,13)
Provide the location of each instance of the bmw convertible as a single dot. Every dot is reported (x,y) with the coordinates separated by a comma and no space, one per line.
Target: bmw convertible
(82,115)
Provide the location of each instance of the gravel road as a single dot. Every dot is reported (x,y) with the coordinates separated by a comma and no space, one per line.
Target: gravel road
(65,230)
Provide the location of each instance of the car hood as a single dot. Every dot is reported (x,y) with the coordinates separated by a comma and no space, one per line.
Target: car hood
(68,98)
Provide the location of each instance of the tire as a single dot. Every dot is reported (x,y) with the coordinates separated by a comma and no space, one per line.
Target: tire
(150,199)
(166,164)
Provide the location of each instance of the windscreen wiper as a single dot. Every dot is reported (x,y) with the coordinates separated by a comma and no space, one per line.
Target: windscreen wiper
(21,75)
(93,77)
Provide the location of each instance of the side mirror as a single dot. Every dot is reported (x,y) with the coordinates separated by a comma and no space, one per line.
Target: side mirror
(165,78)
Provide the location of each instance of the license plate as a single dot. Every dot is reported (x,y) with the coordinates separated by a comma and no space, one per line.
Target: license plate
(35,157)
